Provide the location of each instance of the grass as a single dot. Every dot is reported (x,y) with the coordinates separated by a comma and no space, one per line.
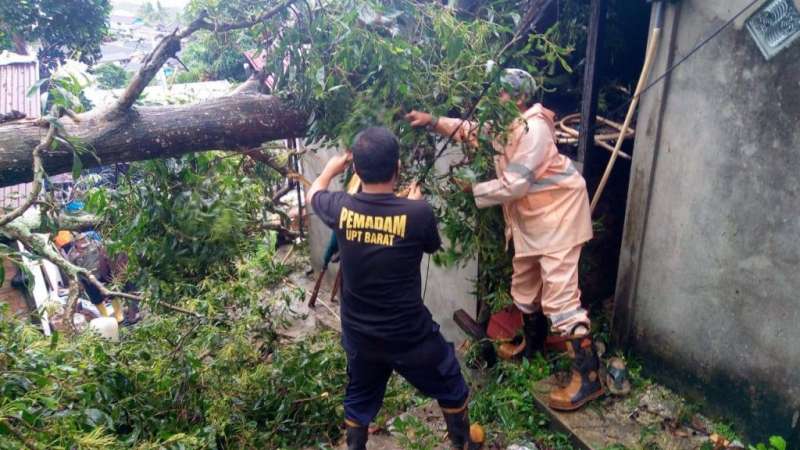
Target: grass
(503,402)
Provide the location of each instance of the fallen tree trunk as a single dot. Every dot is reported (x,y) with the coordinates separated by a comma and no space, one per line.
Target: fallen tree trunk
(228,123)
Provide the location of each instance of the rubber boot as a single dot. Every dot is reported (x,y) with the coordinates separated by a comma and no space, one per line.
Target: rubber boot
(584,385)
(356,435)
(534,328)
(463,436)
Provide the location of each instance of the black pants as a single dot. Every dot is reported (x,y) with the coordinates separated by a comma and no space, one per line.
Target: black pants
(430,366)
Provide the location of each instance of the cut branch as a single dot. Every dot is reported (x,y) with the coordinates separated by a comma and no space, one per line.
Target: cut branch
(227,123)
(39,245)
(77,222)
(261,157)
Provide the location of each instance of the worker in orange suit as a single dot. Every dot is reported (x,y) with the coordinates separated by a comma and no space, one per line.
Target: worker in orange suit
(547,216)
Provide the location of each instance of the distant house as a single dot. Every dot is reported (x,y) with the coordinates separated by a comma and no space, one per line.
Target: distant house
(18,74)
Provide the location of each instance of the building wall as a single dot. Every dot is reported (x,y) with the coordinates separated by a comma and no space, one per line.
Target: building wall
(448,289)
(708,287)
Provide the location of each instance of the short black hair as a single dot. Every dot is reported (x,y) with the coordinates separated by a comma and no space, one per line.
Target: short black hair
(375,154)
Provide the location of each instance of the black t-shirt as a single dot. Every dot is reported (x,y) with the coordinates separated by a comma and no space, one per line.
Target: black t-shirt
(381,240)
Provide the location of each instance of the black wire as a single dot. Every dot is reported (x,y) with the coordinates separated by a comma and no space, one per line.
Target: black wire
(427,276)
(658,80)
(682,60)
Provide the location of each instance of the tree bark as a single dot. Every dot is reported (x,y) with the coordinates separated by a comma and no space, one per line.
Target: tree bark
(228,123)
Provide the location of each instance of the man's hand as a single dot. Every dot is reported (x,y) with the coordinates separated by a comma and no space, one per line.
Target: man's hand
(339,163)
(335,166)
(419,119)
(414,191)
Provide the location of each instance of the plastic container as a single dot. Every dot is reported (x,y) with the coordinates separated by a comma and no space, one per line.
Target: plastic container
(106,327)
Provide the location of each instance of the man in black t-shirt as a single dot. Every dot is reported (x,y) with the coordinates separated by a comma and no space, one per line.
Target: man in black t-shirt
(385,324)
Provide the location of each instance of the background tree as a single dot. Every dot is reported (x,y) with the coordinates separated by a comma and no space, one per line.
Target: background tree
(111,76)
(210,56)
(62,28)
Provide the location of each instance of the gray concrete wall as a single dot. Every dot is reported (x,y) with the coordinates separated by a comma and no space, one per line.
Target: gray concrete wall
(708,285)
(448,289)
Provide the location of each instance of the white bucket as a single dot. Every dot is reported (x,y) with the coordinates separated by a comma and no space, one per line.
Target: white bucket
(106,327)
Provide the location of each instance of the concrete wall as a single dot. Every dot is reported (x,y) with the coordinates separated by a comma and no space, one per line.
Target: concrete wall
(448,289)
(708,285)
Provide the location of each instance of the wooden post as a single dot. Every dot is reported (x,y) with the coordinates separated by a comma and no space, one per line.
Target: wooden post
(294,164)
(594,42)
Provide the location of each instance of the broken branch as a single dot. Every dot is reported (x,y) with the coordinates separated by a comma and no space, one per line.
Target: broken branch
(38,178)
(168,47)
(41,246)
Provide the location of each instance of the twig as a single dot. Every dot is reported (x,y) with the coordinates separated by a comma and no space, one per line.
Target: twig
(19,436)
(310,399)
(221,28)
(288,254)
(330,309)
(183,337)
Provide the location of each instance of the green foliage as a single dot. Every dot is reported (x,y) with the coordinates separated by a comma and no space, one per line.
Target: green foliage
(775,443)
(180,219)
(213,57)
(154,14)
(361,63)
(725,430)
(413,434)
(63,27)
(65,91)
(111,76)
(179,382)
(143,393)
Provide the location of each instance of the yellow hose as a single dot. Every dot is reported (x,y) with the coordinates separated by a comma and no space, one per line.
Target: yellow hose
(648,65)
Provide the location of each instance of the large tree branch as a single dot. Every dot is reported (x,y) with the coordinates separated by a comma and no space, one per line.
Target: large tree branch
(168,47)
(227,123)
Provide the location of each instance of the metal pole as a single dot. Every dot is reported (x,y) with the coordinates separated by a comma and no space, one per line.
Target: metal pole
(590,88)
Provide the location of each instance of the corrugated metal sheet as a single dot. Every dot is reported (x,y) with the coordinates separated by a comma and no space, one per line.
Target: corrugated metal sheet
(17,76)
(16,79)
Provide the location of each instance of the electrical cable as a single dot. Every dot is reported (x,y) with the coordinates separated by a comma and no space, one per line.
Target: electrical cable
(683,59)
(652,48)
(427,275)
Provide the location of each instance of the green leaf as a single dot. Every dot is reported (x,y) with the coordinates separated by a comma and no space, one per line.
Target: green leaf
(77,165)
(320,76)
(2,274)
(54,339)
(34,90)
(777,442)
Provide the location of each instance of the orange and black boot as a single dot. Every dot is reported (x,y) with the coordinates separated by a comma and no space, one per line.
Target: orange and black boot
(534,328)
(463,436)
(356,435)
(584,385)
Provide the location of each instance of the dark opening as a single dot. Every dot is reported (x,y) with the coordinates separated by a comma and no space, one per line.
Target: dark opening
(622,50)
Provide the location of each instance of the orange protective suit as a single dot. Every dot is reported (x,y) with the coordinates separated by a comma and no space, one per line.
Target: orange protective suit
(547,214)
